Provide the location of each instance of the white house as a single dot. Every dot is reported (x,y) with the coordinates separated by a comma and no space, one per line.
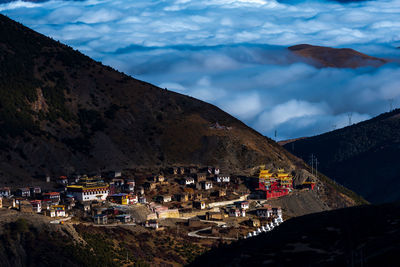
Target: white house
(142,200)
(89,192)
(36,205)
(221,178)
(189,181)
(151,224)
(237,213)
(206,185)
(264,212)
(242,205)
(5,192)
(277,212)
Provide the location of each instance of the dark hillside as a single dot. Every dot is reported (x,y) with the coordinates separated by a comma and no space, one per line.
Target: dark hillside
(363,157)
(357,236)
(63,112)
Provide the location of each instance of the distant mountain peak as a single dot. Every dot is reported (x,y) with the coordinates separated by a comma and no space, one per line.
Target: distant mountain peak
(321,56)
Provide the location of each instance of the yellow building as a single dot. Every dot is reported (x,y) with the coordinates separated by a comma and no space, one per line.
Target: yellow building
(121,198)
(286,179)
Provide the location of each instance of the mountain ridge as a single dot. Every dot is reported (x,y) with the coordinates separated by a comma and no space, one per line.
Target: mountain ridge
(361,156)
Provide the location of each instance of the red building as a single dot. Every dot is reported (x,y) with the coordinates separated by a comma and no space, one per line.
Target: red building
(271,185)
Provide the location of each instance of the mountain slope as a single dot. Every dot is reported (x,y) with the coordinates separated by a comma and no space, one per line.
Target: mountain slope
(334,57)
(62,112)
(357,236)
(363,157)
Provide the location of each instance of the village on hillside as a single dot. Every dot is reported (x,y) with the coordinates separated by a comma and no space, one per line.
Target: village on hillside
(205,202)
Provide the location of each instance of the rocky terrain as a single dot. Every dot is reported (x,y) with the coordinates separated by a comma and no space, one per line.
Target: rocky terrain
(362,157)
(321,56)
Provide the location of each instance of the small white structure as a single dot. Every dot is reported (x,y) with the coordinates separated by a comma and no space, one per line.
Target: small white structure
(189,181)
(151,224)
(277,212)
(234,213)
(206,185)
(264,212)
(223,178)
(237,213)
(36,206)
(142,200)
(130,185)
(5,192)
(242,205)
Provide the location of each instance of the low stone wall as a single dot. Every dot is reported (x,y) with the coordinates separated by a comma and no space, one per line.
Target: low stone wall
(224,203)
(168,214)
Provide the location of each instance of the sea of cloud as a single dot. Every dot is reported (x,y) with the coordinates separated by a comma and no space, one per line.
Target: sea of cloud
(232,53)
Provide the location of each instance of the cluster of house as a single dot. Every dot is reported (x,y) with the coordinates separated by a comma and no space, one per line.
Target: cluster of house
(105,215)
(239,209)
(194,178)
(76,190)
(34,200)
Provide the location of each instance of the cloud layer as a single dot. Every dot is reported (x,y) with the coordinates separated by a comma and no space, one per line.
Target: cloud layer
(232,53)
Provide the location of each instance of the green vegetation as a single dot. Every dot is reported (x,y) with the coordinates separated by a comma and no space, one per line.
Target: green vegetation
(18,83)
(55,97)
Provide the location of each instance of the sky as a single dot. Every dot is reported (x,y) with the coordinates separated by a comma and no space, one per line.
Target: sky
(233,53)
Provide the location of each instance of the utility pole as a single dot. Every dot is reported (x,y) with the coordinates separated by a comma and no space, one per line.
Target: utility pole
(350,114)
(316,167)
(312,164)
(276,133)
(391,104)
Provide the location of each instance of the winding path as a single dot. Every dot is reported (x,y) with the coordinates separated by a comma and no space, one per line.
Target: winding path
(194,234)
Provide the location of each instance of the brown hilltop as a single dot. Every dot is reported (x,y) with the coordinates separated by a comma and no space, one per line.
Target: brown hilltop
(336,57)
